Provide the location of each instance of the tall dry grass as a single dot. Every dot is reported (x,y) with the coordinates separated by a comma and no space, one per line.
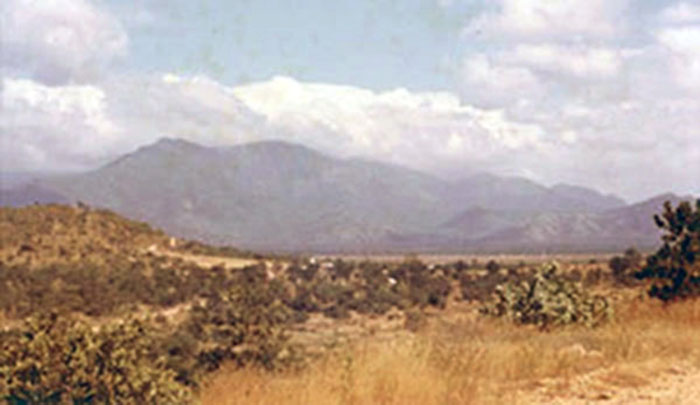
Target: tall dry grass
(478,362)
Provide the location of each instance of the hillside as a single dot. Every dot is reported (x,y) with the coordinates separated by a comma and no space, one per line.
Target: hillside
(40,235)
(37,235)
(278,196)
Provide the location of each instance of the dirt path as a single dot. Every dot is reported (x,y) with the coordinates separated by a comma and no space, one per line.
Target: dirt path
(676,384)
(208,261)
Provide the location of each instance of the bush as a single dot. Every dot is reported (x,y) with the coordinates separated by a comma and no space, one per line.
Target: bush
(547,299)
(624,267)
(55,360)
(674,270)
(246,325)
(492,266)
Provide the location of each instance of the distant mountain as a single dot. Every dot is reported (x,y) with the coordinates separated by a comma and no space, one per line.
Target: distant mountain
(613,229)
(281,196)
(30,193)
(267,195)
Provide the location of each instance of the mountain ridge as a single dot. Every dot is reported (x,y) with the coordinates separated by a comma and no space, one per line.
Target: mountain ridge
(281,196)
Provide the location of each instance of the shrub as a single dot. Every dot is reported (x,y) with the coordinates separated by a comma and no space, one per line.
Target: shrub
(492,266)
(246,324)
(624,267)
(674,270)
(55,360)
(547,299)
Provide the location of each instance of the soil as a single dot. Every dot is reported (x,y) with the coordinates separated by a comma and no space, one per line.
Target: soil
(677,384)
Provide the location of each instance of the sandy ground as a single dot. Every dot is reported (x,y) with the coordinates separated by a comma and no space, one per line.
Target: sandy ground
(208,261)
(507,259)
(677,384)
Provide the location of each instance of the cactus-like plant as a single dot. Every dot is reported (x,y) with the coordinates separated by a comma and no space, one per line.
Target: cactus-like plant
(547,299)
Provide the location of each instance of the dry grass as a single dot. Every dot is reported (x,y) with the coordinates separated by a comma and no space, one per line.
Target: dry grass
(479,362)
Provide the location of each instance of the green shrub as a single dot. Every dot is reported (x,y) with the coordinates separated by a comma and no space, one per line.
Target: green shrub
(624,267)
(674,270)
(55,360)
(547,299)
(245,324)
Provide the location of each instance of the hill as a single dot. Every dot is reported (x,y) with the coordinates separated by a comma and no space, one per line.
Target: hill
(37,235)
(279,196)
(40,235)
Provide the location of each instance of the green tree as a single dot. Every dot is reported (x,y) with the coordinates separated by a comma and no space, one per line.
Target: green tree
(674,270)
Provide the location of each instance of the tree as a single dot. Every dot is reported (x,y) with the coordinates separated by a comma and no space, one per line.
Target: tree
(674,270)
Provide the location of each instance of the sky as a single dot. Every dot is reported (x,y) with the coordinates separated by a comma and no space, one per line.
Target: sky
(599,93)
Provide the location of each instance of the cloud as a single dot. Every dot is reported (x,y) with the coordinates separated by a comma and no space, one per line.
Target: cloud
(415,128)
(681,13)
(579,61)
(84,126)
(632,147)
(546,19)
(614,89)
(493,83)
(59,41)
(53,127)
(684,46)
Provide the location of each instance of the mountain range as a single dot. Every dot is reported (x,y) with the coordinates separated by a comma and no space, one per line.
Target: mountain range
(279,196)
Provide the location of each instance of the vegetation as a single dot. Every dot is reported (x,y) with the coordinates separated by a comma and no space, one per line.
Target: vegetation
(135,324)
(478,361)
(244,324)
(53,360)
(623,268)
(547,300)
(674,270)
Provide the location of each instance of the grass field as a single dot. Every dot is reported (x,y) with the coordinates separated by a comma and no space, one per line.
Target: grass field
(462,359)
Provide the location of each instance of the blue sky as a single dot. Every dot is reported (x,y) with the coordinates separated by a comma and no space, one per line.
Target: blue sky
(601,93)
(375,44)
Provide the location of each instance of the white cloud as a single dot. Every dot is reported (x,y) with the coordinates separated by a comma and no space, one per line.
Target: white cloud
(58,41)
(494,83)
(613,88)
(83,126)
(681,13)
(546,19)
(684,46)
(580,61)
(402,126)
(53,127)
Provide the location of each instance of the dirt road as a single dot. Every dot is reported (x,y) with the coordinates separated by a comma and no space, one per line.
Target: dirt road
(207,261)
(645,384)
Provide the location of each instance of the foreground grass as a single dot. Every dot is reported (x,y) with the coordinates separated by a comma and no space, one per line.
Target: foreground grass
(478,361)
